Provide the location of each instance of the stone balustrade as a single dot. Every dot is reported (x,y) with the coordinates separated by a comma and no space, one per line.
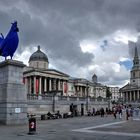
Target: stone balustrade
(63,98)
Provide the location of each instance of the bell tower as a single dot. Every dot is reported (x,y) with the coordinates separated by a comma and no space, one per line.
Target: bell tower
(135,71)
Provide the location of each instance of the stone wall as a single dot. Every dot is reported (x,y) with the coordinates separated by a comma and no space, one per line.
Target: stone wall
(13,100)
(40,105)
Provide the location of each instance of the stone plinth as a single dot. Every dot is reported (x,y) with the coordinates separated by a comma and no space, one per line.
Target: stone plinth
(13,99)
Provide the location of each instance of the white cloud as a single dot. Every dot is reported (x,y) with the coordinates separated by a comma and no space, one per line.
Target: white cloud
(88,46)
(124,36)
(25,55)
(124,59)
(106,63)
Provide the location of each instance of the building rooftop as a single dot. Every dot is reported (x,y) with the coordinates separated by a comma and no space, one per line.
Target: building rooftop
(38,56)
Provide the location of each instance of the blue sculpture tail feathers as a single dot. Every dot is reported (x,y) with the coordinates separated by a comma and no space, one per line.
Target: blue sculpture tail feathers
(1,40)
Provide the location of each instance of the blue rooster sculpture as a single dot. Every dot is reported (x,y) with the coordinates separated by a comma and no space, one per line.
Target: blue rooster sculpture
(9,44)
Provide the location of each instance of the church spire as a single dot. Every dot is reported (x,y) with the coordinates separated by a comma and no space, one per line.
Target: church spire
(136,52)
(136,57)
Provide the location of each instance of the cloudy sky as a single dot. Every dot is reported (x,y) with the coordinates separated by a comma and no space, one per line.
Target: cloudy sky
(80,37)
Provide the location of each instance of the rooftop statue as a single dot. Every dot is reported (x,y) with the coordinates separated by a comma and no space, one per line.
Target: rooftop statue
(9,44)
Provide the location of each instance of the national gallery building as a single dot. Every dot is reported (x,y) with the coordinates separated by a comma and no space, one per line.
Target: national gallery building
(39,79)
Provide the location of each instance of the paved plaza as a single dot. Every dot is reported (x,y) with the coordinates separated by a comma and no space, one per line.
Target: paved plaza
(77,128)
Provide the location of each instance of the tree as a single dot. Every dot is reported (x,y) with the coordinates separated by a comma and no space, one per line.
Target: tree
(108,93)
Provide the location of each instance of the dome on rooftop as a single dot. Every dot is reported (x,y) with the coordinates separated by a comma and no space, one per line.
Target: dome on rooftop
(38,56)
(94,78)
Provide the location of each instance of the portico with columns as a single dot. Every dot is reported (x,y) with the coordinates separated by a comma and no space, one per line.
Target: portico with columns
(132,95)
(39,79)
(38,85)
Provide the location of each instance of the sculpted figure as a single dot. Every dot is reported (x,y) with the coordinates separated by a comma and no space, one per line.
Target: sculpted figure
(9,44)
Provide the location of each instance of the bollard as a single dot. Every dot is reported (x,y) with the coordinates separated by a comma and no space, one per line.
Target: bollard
(32,125)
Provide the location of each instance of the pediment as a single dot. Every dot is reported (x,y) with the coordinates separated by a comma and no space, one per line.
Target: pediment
(129,86)
(56,72)
(46,73)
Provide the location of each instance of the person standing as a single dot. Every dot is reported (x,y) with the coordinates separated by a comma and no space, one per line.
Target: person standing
(102,112)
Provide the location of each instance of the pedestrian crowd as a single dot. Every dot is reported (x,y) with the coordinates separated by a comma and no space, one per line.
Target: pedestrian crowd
(118,111)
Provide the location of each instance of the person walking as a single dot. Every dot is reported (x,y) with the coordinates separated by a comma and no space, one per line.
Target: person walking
(131,113)
(120,112)
(114,112)
(127,113)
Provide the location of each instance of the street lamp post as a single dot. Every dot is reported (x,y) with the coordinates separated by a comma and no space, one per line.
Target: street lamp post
(87,96)
(53,103)
(109,102)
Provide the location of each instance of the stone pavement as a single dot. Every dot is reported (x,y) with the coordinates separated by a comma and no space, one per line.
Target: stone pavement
(78,128)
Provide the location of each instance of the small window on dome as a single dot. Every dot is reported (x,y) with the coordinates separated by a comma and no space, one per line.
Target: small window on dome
(37,64)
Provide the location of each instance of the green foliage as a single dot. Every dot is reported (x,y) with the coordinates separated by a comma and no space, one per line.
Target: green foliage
(108,93)
(114,102)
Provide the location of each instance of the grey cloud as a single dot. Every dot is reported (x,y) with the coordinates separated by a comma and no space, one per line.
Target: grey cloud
(55,38)
(4,22)
(111,79)
(60,26)
(107,13)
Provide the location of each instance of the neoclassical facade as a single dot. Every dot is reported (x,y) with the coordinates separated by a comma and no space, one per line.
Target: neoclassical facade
(83,88)
(115,93)
(39,79)
(78,87)
(131,91)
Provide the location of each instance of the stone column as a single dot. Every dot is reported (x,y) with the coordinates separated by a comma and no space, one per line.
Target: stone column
(130,96)
(40,89)
(45,85)
(50,84)
(30,85)
(81,93)
(58,84)
(85,92)
(126,96)
(63,88)
(134,95)
(13,98)
(26,85)
(35,85)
